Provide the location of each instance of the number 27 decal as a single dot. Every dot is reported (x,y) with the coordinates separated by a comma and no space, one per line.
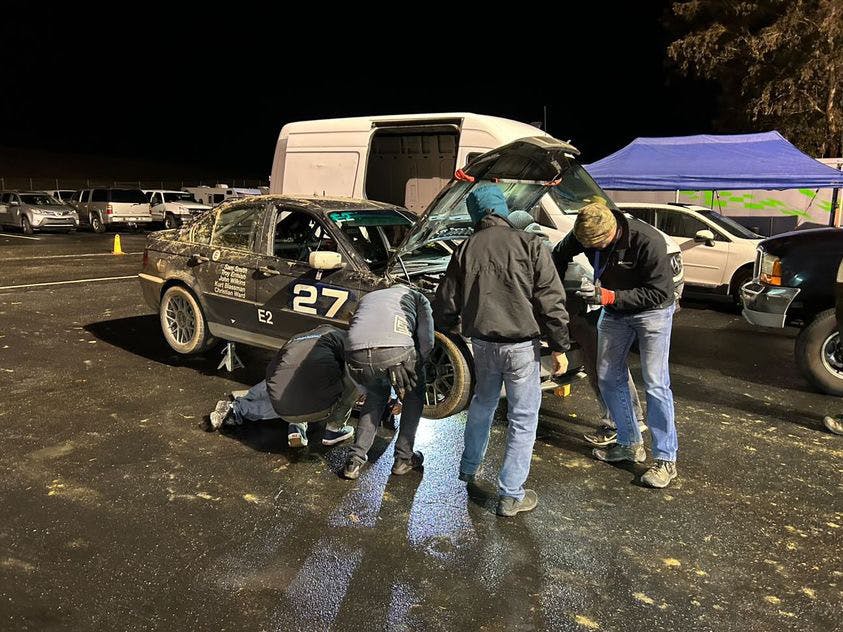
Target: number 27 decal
(305,297)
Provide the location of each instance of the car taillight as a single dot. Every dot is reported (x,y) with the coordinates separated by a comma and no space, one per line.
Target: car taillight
(145,256)
(771,270)
(109,210)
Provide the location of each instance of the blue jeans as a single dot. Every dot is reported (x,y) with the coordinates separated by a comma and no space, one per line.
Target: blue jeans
(517,367)
(616,333)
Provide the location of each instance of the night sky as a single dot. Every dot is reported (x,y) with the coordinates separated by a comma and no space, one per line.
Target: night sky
(213,92)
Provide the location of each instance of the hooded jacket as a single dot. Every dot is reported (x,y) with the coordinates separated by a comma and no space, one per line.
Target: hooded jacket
(502,285)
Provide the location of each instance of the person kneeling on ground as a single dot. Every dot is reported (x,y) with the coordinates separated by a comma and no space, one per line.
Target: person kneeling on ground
(390,339)
(306,382)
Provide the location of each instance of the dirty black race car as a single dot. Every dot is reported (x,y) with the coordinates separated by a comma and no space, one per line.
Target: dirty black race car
(259,270)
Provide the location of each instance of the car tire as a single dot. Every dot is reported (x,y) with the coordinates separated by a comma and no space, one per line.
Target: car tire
(170,221)
(182,321)
(96,223)
(26,225)
(741,276)
(449,383)
(815,346)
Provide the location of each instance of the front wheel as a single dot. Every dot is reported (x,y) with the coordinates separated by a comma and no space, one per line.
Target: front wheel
(816,354)
(183,322)
(741,278)
(26,225)
(448,379)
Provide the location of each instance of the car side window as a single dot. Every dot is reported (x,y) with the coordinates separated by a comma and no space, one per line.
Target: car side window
(683,225)
(237,227)
(4,198)
(644,214)
(297,234)
(200,230)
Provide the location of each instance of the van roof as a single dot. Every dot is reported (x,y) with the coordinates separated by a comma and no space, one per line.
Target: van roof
(468,120)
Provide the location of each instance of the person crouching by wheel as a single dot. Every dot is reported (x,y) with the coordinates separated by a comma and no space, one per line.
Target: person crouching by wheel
(390,339)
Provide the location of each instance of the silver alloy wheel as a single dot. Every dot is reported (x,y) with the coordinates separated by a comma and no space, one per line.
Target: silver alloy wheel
(831,363)
(440,377)
(181,319)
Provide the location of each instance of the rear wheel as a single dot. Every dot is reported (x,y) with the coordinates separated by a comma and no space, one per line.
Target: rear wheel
(96,222)
(183,322)
(26,225)
(448,379)
(816,354)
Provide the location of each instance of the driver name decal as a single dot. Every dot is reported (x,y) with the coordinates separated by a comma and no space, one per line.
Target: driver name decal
(231,281)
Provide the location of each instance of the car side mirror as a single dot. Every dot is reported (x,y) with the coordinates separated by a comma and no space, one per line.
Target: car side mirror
(14,203)
(320,260)
(705,236)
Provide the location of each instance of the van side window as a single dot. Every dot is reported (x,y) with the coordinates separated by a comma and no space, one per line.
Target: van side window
(297,234)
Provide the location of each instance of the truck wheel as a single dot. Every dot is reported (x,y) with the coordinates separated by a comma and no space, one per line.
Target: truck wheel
(96,223)
(815,354)
(741,276)
(183,322)
(26,225)
(170,221)
(448,379)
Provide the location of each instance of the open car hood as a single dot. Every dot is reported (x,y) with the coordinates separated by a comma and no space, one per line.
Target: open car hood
(525,170)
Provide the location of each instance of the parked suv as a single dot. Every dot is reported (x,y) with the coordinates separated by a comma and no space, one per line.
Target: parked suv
(65,196)
(173,208)
(718,253)
(35,210)
(794,283)
(101,208)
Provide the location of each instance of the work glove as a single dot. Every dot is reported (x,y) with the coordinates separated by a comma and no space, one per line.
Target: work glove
(402,377)
(560,363)
(598,295)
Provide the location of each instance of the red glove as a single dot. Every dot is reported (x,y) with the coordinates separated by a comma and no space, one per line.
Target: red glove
(607,297)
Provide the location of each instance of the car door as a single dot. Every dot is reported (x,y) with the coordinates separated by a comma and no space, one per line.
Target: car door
(705,262)
(223,263)
(293,297)
(4,209)
(13,210)
(156,206)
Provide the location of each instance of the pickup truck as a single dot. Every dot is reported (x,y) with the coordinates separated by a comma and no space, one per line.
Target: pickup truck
(794,283)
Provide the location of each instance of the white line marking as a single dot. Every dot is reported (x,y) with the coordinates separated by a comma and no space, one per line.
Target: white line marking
(95,254)
(20,237)
(17,287)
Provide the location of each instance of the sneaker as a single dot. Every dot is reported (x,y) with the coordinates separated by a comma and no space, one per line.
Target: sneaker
(660,474)
(296,438)
(465,477)
(352,467)
(402,466)
(605,435)
(618,452)
(509,506)
(834,424)
(333,437)
(223,413)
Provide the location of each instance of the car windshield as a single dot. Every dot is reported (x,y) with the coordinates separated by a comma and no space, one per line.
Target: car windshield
(39,199)
(128,196)
(729,225)
(373,233)
(449,218)
(179,196)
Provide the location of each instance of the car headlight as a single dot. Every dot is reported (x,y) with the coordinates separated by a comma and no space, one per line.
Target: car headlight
(770,272)
(38,212)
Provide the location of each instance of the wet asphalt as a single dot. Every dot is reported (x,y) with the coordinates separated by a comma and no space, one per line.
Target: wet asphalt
(121,513)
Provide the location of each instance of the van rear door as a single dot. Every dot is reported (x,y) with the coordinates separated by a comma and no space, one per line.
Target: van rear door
(130,205)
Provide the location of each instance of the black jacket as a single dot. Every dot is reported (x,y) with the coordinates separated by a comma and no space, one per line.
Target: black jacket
(502,285)
(306,375)
(638,268)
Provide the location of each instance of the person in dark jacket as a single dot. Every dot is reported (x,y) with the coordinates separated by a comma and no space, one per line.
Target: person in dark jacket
(306,382)
(390,339)
(835,424)
(502,288)
(633,282)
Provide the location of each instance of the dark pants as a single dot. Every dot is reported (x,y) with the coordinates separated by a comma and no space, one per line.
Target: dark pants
(369,368)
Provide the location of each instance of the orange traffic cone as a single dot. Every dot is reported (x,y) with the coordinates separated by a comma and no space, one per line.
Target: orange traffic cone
(118,249)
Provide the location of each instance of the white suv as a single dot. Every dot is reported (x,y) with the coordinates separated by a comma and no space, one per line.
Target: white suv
(173,208)
(718,253)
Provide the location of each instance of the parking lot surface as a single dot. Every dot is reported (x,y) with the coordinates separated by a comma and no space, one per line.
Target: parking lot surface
(122,513)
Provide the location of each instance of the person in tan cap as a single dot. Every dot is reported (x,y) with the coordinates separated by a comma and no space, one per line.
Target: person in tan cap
(633,282)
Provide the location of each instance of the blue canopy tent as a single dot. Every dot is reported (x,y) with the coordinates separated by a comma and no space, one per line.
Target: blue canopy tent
(708,163)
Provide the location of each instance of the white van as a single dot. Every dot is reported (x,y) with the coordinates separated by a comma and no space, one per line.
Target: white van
(402,159)
(211,196)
